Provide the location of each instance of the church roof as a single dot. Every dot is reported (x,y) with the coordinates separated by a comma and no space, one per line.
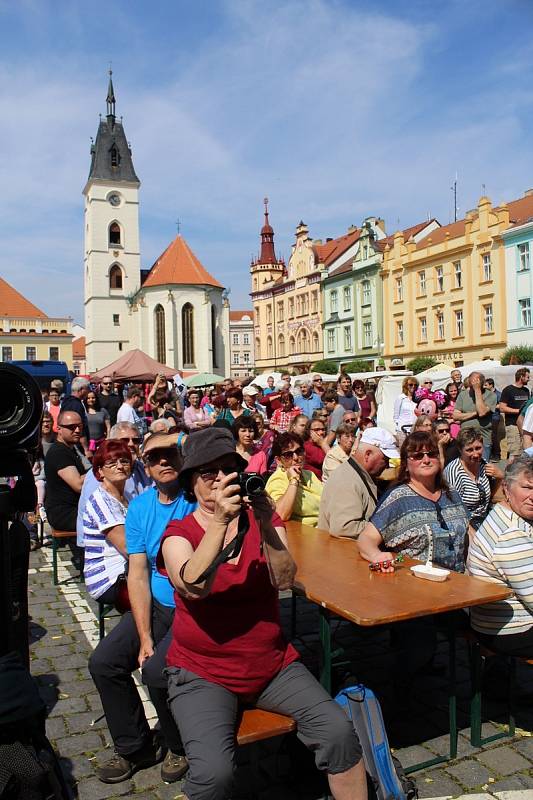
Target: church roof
(179,265)
(111,155)
(13,304)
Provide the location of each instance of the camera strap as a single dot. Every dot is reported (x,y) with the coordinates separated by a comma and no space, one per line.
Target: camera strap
(231,550)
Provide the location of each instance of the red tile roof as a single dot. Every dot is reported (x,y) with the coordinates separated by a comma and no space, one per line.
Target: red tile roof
(520,211)
(179,265)
(328,252)
(13,304)
(78,347)
(236,316)
(407,233)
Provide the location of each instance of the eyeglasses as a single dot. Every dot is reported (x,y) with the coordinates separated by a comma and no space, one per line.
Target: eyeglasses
(134,439)
(74,426)
(123,462)
(350,419)
(158,453)
(291,453)
(420,455)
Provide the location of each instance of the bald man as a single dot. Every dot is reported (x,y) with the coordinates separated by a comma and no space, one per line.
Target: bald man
(65,473)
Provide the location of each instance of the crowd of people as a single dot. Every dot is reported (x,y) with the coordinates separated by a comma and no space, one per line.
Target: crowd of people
(150,481)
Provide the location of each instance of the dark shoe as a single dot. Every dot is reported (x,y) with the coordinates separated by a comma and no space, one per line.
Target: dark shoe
(120,768)
(173,767)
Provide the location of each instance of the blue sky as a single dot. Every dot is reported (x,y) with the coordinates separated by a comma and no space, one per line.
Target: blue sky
(334,109)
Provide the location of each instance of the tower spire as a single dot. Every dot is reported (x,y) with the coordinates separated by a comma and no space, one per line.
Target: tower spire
(110,99)
(268,256)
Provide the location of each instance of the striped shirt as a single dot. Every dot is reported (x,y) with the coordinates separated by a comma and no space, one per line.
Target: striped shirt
(103,562)
(502,552)
(475,494)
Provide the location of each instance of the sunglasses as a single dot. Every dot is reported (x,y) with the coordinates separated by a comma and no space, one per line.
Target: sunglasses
(159,453)
(317,380)
(291,453)
(443,430)
(413,385)
(134,439)
(74,426)
(420,455)
(428,383)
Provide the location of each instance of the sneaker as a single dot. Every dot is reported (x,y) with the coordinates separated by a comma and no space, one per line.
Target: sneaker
(42,514)
(120,768)
(173,767)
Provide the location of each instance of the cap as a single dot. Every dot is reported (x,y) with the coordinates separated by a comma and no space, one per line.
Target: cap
(250,391)
(379,437)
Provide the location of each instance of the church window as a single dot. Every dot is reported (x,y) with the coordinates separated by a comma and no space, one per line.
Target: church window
(114,234)
(115,156)
(160,342)
(281,346)
(214,335)
(187,334)
(116,319)
(115,277)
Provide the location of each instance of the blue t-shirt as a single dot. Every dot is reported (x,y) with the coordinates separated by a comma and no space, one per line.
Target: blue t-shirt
(308,404)
(146,522)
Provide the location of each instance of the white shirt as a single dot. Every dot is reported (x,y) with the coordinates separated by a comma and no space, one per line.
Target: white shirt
(127,413)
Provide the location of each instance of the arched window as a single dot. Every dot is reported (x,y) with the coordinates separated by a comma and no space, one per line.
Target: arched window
(114,234)
(115,277)
(160,342)
(281,346)
(269,347)
(214,335)
(292,346)
(303,344)
(315,343)
(115,156)
(187,334)
(257,349)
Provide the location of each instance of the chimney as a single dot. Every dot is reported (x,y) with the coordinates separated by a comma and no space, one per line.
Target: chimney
(528,193)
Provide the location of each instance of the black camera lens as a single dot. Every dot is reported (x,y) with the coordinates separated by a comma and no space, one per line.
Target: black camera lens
(253,485)
(21,408)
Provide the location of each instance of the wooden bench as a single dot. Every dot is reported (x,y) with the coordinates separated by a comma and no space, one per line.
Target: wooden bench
(257,725)
(56,536)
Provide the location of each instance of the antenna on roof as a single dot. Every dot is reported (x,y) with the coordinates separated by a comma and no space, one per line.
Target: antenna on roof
(483,189)
(454,190)
(178,225)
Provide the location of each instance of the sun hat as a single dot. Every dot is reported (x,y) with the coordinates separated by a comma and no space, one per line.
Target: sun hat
(379,437)
(250,391)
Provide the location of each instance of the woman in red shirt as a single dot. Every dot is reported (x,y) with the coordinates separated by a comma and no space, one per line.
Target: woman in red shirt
(227,646)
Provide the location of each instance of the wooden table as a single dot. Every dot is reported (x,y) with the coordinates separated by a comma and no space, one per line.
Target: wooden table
(332,574)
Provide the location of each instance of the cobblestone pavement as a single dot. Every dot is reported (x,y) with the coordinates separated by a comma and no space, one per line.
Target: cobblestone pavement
(64,630)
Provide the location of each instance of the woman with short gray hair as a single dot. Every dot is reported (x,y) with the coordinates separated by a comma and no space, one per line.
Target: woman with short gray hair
(502,552)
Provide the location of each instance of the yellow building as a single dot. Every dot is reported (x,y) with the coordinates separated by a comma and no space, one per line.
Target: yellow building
(27,334)
(287,299)
(444,295)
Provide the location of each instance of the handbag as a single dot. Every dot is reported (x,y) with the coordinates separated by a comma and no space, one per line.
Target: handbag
(122,597)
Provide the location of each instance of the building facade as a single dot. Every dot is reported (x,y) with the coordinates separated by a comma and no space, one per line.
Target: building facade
(443,293)
(288,312)
(175,312)
(28,334)
(518,242)
(241,336)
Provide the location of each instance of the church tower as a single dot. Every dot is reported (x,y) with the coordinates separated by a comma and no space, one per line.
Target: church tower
(112,265)
(266,268)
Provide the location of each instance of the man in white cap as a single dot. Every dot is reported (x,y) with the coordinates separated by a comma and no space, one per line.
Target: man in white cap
(249,400)
(350,495)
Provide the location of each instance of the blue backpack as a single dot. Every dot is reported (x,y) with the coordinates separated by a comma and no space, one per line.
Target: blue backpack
(385,772)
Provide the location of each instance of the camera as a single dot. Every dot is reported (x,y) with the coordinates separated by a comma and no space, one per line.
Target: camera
(21,409)
(251,484)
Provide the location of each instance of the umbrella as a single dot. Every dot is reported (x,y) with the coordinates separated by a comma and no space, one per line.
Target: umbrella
(203,379)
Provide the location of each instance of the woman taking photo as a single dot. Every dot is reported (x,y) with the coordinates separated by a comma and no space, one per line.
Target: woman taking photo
(98,420)
(244,432)
(103,521)
(316,446)
(404,407)
(295,490)
(420,507)
(227,646)
(501,551)
(471,476)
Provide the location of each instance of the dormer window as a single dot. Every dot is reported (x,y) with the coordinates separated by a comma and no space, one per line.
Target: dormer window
(114,234)
(115,156)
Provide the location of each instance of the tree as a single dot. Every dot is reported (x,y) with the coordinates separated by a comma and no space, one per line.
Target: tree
(421,363)
(357,366)
(327,367)
(518,354)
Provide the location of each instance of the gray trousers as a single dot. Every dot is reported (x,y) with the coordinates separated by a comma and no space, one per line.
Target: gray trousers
(206,715)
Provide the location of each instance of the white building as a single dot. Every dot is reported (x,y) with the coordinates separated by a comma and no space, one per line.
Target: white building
(176,311)
(241,335)
(518,242)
